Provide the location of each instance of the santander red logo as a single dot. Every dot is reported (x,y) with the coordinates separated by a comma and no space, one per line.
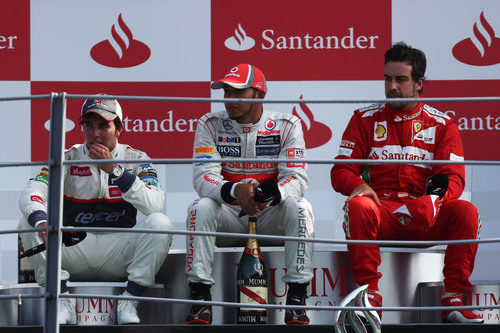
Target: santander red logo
(315,133)
(482,49)
(122,50)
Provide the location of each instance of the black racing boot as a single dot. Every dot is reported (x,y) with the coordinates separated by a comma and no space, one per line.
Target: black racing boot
(297,294)
(200,314)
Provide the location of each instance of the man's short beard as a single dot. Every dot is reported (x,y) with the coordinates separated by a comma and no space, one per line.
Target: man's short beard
(397,105)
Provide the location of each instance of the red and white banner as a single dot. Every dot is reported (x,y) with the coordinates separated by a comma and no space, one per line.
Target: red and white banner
(92,40)
(15,41)
(295,40)
(161,129)
(479,123)
(310,50)
(462,46)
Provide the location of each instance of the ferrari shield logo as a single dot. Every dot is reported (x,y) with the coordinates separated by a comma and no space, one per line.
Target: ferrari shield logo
(417,126)
(427,135)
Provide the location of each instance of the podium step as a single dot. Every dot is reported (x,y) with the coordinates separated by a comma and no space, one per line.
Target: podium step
(410,328)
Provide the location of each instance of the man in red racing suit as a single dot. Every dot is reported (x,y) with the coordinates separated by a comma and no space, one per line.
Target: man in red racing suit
(376,200)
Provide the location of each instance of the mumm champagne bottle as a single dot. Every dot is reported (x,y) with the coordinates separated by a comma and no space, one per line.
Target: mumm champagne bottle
(252,280)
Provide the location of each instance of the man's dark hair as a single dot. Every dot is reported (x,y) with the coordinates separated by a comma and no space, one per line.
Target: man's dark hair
(413,57)
(118,123)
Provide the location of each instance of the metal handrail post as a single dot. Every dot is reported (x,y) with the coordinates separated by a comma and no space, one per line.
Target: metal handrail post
(54,211)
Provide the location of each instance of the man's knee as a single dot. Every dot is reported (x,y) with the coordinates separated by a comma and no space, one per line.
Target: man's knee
(463,214)
(362,203)
(301,216)
(201,212)
(206,204)
(159,221)
(288,205)
(461,207)
(305,206)
(360,215)
(291,204)
(305,212)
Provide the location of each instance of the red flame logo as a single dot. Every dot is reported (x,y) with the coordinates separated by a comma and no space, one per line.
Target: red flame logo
(122,50)
(315,133)
(483,49)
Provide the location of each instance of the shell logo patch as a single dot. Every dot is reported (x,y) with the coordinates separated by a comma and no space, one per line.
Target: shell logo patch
(380,131)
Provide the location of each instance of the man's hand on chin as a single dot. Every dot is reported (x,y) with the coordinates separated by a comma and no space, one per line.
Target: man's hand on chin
(98,151)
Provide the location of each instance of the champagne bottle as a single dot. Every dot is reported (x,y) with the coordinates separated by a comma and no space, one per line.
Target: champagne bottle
(25,269)
(252,280)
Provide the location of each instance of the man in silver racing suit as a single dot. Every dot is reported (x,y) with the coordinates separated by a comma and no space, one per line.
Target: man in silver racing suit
(247,130)
(102,195)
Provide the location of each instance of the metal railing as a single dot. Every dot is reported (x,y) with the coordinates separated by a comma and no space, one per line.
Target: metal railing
(54,221)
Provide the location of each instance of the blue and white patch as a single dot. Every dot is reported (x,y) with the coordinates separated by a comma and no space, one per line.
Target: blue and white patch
(345,151)
(151,181)
(145,166)
(200,157)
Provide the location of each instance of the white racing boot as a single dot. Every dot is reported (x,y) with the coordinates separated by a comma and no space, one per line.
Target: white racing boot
(126,312)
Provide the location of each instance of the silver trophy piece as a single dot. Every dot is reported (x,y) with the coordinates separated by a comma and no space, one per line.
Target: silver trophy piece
(358,297)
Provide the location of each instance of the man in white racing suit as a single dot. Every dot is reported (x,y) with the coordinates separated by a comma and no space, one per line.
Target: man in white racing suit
(246,130)
(102,195)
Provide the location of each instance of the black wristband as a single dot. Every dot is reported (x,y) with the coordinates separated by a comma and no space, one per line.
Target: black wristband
(125,181)
(225,192)
(277,196)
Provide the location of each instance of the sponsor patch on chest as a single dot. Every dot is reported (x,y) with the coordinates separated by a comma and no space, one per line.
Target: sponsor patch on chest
(99,217)
(275,131)
(380,131)
(268,140)
(394,152)
(229,139)
(232,151)
(421,132)
(267,151)
(80,171)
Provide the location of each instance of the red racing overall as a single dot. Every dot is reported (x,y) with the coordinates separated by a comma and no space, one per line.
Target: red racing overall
(424,133)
